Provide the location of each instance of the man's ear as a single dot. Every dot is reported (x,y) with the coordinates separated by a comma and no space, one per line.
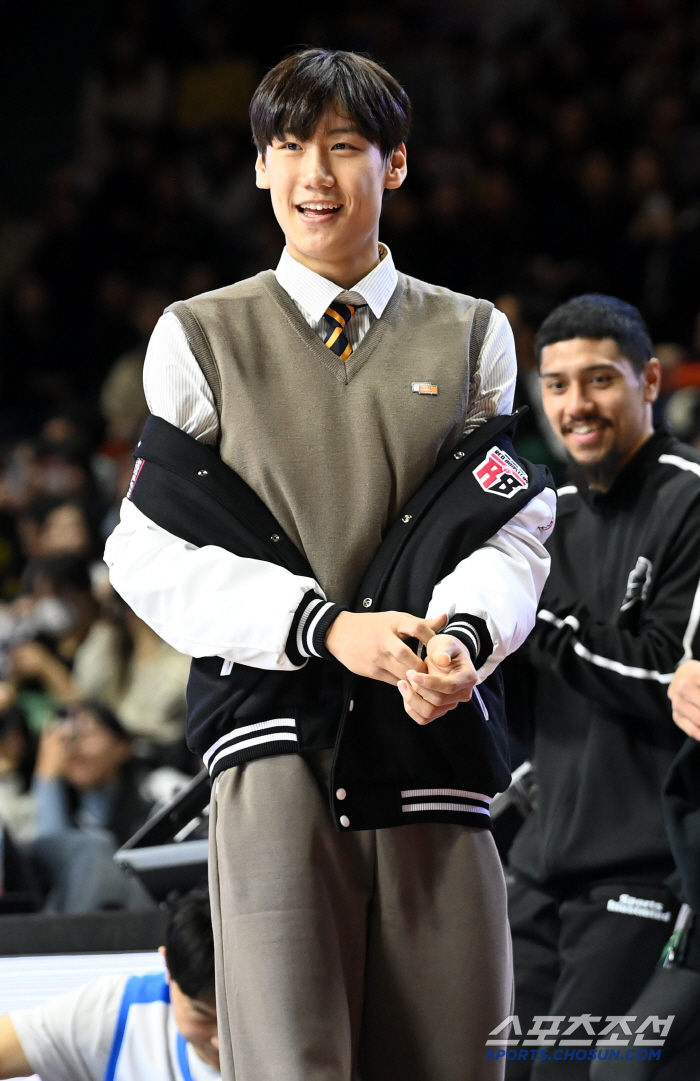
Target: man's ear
(262,180)
(651,375)
(161,951)
(396,167)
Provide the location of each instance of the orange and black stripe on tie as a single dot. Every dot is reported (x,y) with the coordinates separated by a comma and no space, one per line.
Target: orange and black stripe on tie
(337,318)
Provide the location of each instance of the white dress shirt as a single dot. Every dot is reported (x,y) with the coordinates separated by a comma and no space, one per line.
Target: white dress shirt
(208,602)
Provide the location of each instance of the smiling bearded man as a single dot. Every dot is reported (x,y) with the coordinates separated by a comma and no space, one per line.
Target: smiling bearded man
(329,475)
(590,910)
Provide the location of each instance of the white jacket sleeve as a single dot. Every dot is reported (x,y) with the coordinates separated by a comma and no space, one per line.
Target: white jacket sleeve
(501,582)
(205,602)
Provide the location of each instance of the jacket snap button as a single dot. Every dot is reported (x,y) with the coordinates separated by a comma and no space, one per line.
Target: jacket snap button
(202,472)
(344,820)
(367,602)
(275,537)
(341,793)
(459,454)
(407,518)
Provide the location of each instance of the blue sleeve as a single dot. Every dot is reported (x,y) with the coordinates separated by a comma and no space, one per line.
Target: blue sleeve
(52,814)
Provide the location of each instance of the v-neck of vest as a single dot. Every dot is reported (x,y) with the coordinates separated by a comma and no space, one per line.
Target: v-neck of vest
(344,371)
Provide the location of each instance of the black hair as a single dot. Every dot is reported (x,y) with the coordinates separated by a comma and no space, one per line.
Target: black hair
(40,508)
(295,95)
(64,572)
(13,719)
(595,315)
(102,715)
(189,944)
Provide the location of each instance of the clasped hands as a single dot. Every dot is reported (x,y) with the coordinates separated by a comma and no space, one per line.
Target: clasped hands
(374,645)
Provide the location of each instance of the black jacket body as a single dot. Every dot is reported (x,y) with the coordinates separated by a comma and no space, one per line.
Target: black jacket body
(682,809)
(390,769)
(618,613)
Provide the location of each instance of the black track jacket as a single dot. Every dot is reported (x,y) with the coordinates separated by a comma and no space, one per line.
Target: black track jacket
(387,770)
(619,611)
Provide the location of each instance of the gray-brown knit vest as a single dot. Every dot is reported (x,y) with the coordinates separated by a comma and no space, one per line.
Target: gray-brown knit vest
(335,449)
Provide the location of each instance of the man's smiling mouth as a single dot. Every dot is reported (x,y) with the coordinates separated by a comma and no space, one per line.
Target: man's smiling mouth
(318,210)
(585,427)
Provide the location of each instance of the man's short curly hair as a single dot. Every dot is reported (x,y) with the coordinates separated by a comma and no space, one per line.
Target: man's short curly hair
(595,315)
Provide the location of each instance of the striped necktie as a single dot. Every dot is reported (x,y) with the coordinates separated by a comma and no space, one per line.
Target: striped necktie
(337,318)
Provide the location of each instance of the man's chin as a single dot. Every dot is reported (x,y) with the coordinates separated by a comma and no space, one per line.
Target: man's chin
(595,470)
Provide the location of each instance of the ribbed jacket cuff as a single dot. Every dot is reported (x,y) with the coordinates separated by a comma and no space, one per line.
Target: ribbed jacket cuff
(474,634)
(307,634)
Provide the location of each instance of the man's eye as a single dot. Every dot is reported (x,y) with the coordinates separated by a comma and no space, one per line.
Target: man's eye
(601,380)
(291,146)
(342,146)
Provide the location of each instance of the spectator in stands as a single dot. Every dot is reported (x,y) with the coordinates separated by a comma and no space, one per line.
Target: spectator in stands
(127,93)
(17,754)
(122,400)
(219,87)
(72,641)
(91,796)
(612,626)
(169,1028)
(51,625)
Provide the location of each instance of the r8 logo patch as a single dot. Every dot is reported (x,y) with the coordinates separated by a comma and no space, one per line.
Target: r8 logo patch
(498,474)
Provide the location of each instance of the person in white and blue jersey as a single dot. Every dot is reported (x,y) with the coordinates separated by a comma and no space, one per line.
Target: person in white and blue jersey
(158,1027)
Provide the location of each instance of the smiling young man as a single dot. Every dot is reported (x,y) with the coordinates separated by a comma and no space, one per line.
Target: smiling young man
(590,911)
(327,477)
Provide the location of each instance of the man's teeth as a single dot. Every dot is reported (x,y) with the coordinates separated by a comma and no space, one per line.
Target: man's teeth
(320,206)
(584,429)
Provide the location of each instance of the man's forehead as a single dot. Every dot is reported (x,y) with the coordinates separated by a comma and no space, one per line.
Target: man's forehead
(576,353)
(331,123)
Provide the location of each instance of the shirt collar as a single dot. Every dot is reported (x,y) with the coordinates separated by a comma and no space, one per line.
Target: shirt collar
(314,294)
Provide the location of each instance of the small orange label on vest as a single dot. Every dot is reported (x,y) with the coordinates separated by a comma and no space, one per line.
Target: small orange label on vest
(424,388)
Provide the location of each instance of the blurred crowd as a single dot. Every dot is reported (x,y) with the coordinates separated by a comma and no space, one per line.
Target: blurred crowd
(556,151)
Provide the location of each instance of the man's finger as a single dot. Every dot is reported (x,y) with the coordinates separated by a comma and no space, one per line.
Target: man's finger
(690,729)
(688,705)
(421,630)
(442,659)
(444,650)
(443,701)
(419,706)
(399,656)
(419,711)
(680,712)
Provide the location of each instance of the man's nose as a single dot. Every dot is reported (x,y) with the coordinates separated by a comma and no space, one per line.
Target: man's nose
(577,401)
(215,1041)
(318,173)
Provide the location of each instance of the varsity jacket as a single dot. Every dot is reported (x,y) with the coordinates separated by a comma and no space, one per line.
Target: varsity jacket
(619,612)
(387,770)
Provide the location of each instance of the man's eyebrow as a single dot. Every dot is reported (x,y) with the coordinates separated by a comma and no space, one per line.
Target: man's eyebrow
(201,1007)
(603,367)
